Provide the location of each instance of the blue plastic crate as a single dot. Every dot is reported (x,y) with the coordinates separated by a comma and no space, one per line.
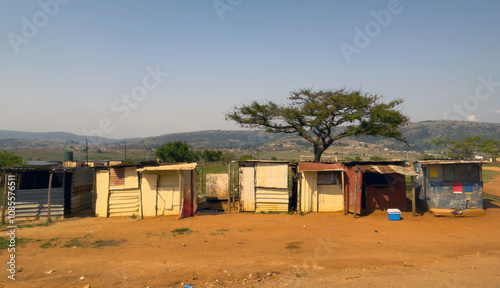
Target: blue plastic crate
(394,214)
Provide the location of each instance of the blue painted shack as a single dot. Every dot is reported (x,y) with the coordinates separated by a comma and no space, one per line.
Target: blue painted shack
(449,186)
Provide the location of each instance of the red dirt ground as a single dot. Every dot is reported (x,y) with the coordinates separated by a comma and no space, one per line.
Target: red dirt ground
(263,250)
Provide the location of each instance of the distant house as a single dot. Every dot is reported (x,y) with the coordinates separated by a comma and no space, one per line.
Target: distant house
(371,186)
(126,190)
(263,186)
(443,186)
(70,191)
(320,187)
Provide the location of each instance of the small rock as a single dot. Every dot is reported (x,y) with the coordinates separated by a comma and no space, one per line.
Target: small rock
(183,244)
(86,286)
(376,231)
(50,272)
(304,226)
(81,278)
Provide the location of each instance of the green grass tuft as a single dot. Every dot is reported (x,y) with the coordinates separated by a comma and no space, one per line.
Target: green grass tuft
(107,243)
(182,231)
(5,241)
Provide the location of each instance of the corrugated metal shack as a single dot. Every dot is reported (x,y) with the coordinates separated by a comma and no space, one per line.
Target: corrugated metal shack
(169,190)
(116,191)
(320,187)
(449,184)
(70,191)
(379,186)
(263,186)
(126,190)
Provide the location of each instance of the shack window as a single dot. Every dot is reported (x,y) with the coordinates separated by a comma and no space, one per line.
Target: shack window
(449,173)
(327,178)
(472,173)
(461,173)
(117,177)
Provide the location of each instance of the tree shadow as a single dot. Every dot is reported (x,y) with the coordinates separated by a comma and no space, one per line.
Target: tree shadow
(490,204)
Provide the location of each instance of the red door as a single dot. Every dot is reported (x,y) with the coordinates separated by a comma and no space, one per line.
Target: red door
(350,190)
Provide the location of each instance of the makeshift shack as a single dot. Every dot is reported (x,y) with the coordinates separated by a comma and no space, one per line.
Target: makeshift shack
(263,186)
(320,187)
(127,190)
(70,191)
(374,186)
(169,190)
(445,186)
(116,191)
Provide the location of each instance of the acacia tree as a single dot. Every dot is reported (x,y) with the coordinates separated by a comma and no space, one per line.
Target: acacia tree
(314,115)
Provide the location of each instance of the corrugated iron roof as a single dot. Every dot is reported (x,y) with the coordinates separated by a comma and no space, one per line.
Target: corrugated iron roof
(430,162)
(387,169)
(187,166)
(263,161)
(315,166)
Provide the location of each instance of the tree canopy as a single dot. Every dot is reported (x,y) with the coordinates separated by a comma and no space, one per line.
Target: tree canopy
(9,159)
(176,151)
(211,155)
(314,115)
(468,147)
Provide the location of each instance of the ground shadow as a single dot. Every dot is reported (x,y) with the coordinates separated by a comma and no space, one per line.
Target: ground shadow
(490,204)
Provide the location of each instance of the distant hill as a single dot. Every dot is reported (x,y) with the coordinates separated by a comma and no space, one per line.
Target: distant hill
(13,136)
(419,135)
(212,139)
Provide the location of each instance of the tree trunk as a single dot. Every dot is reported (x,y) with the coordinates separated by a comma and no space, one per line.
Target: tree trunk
(318,151)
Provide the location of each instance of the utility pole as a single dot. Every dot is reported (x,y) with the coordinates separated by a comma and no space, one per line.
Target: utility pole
(87,152)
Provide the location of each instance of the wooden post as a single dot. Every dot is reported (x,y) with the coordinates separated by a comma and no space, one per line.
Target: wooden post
(299,191)
(49,195)
(355,190)
(201,183)
(140,194)
(5,197)
(233,188)
(94,192)
(413,203)
(343,191)
(228,188)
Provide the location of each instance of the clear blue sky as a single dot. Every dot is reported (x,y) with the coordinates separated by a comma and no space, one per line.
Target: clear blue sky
(66,75)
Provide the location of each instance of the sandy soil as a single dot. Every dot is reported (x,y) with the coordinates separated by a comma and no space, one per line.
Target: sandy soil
(257,250)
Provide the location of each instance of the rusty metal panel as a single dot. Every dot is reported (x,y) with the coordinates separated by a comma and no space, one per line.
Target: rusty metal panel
(34,203)
(123,202)
(149,194)
(102,193)
(117,177)
(187,205)
(216,186)
(315,166)
(350,189)
(389,196)
(271,175)
(271,199)
(247,188)
(168,193)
